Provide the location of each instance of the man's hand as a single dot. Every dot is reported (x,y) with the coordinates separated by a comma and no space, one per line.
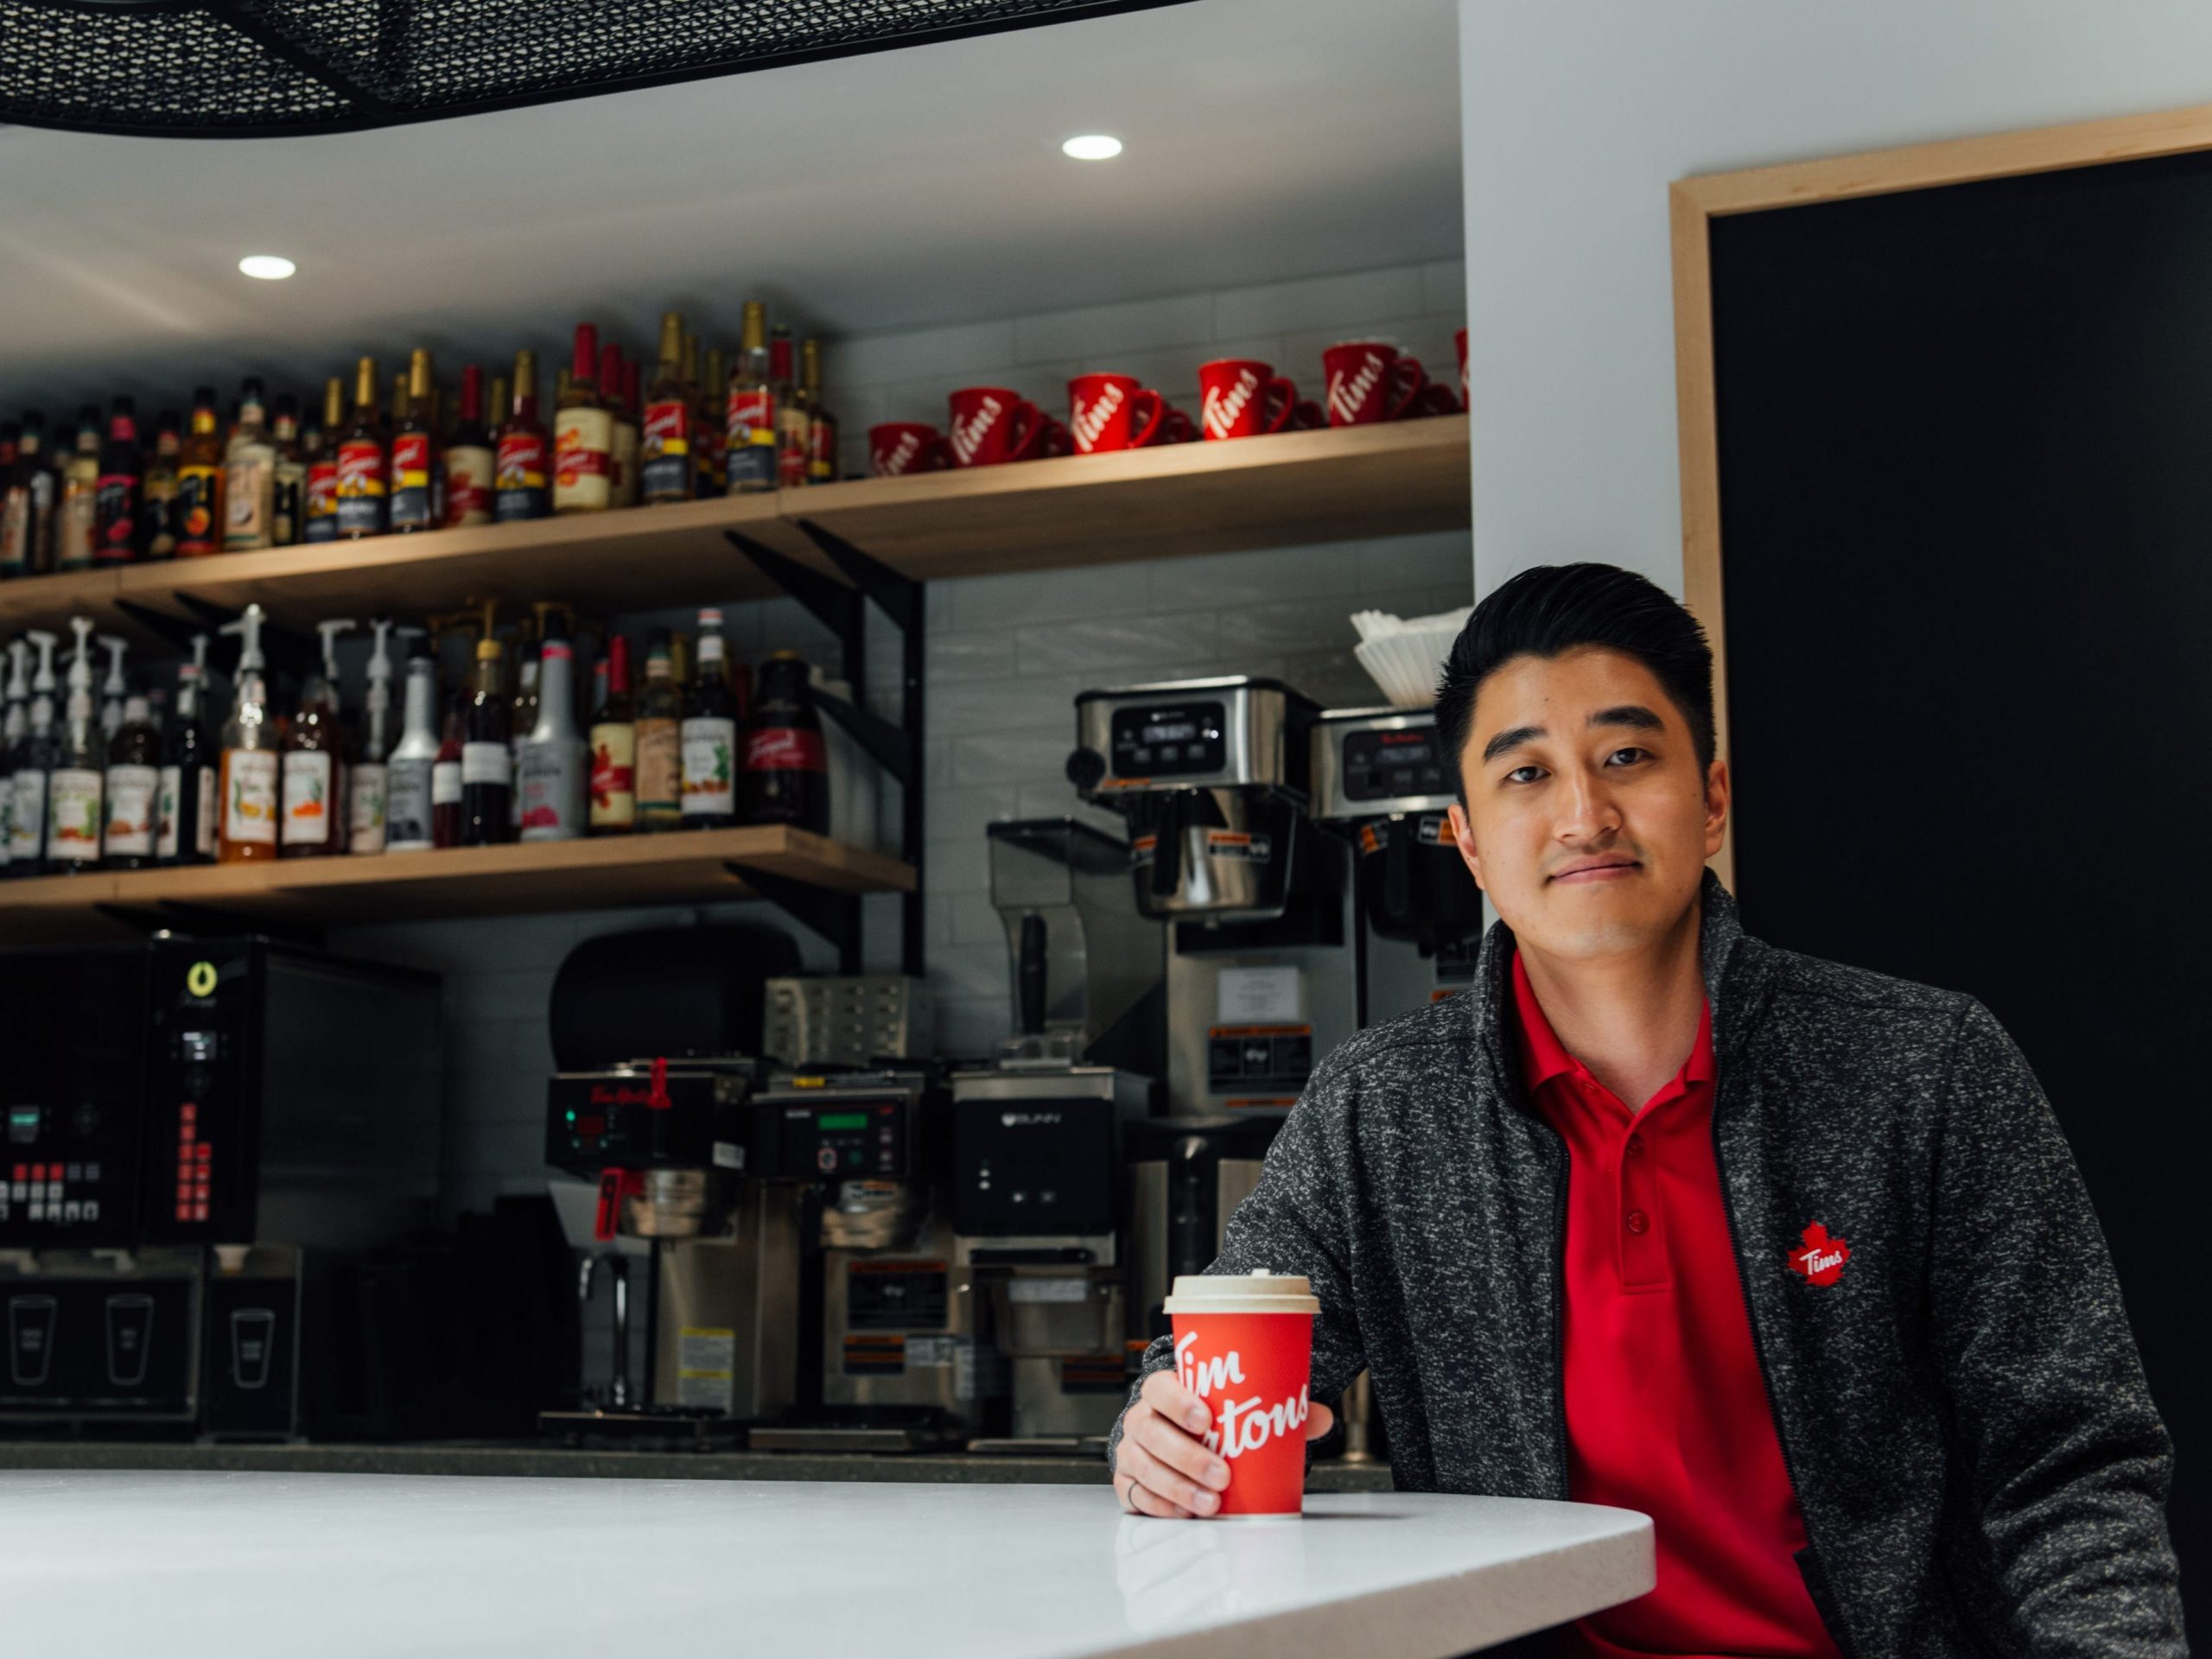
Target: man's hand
(1162,1467)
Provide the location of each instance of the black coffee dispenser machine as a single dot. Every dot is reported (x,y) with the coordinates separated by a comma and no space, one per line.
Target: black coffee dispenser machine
(1039,1210)
(1381,783)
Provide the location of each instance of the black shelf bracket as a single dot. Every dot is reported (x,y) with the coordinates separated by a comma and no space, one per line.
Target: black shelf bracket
(895,746)
(170,630)
(836,915)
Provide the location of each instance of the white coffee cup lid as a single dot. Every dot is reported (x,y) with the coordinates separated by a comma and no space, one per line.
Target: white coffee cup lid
(1241,1292)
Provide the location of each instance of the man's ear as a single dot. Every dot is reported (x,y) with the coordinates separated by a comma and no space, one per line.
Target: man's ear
(1463,836)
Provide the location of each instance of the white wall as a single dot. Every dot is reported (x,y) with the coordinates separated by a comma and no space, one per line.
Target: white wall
(1575,117)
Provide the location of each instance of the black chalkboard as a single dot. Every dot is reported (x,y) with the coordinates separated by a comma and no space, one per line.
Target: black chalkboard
(1966,486)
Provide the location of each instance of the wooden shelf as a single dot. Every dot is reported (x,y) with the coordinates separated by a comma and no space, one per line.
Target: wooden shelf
(678,867)
(1340,484)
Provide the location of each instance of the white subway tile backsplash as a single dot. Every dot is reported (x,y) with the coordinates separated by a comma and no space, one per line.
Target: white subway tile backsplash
(982,654)
(1318,302)
(1099,331)
(1049,653)
(1010,757)
(1444,288)
(878,358)
(998,602)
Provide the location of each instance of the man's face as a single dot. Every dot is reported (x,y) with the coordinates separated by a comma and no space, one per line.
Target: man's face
(1579,760)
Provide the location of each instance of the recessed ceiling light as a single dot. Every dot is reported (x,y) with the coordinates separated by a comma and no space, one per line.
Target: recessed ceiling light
(270,267)
(1092,147)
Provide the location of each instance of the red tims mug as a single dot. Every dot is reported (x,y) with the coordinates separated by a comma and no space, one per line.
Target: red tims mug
(897,447)
(990,424)
(1244,1345)
(1241,397)
(1114,411)
(1368,381)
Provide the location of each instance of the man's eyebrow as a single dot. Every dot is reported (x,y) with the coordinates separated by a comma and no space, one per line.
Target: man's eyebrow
(1633,715)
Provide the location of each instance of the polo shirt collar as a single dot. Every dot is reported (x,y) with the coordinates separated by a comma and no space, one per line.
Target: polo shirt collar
(1544,1058)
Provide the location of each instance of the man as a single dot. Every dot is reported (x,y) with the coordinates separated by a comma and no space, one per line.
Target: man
(1790,1255)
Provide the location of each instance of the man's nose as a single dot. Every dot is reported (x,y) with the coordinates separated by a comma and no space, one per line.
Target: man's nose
(1587,807)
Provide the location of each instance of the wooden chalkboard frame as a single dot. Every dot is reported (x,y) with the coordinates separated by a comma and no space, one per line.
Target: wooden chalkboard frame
(1694,203)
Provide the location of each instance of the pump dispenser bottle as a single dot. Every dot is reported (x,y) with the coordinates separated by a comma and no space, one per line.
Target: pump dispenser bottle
(15,723)
(553,765)
(369,794)
(247,790)
(408,782)
(315,761)
(73,794)
(35,757)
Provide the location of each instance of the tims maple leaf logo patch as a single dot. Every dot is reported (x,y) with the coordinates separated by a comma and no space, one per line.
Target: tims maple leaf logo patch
(1817,1258)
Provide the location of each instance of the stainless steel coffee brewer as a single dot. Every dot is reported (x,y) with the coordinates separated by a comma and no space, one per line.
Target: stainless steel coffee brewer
(668,1143)
(1381,783)
(896,1345)
(1214,778)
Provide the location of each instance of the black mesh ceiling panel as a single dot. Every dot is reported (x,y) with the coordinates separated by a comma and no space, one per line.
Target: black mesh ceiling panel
(262,68)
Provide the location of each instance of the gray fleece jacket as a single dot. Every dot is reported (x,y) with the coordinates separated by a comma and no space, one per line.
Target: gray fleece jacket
(1962,1412)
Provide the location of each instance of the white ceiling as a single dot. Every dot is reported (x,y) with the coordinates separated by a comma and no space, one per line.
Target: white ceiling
(1265,138)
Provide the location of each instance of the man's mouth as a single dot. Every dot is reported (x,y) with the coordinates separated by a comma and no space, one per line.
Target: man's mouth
(1609,871)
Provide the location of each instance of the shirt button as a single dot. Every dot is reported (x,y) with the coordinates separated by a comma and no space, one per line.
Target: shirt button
(1638,1222)
(1636,1145)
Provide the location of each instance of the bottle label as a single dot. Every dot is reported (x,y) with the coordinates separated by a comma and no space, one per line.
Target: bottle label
(520,483)
(360,488)
(445,784)
(131,794)
(410,481)
(199,490)
(165,805)
(74,530)
(709,776)
(246,504)
(583,440)
(487,763)
(366,820)
(322,502)
(249,795)
(665,451)
(751,418)
(407,805)
(157,516)
(73,815)
(203,822)
(116,510)
(548,793)
(15,532)
(613,774)
(27,830)
(309,786)
(658,765)
(785,748)
(469,468)
(288,502)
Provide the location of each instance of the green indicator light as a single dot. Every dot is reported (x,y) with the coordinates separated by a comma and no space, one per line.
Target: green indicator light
(832,1122)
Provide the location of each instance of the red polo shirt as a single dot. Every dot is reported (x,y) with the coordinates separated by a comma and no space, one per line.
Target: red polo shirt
(1665,1409)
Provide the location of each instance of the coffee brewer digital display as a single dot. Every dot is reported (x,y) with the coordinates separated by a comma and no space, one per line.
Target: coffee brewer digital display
(1381,783)
(1214,778)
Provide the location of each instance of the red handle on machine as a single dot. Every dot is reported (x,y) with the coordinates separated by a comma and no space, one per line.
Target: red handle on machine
(614,1185)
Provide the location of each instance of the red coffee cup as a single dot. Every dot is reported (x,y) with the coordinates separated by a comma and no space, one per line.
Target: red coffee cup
(1178,428)
(1244,1345)
(1368,381)
(1460,340)
(897,447)
(990,424)
(1240,398)
(1113,412)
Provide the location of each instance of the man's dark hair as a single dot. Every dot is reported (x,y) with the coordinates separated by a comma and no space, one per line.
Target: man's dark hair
(1552,608)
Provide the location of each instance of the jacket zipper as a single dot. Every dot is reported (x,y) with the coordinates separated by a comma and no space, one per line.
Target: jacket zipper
(1766,1381)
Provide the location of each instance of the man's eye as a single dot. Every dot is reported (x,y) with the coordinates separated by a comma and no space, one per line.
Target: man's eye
(1619,752)
(1518,770)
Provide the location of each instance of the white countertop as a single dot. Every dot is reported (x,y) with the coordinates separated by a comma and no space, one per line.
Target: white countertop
(416,1566)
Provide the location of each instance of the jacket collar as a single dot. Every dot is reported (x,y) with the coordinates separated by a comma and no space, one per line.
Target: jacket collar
(1724,963)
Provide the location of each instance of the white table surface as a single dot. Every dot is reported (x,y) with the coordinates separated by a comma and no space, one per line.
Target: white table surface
(342,1567)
